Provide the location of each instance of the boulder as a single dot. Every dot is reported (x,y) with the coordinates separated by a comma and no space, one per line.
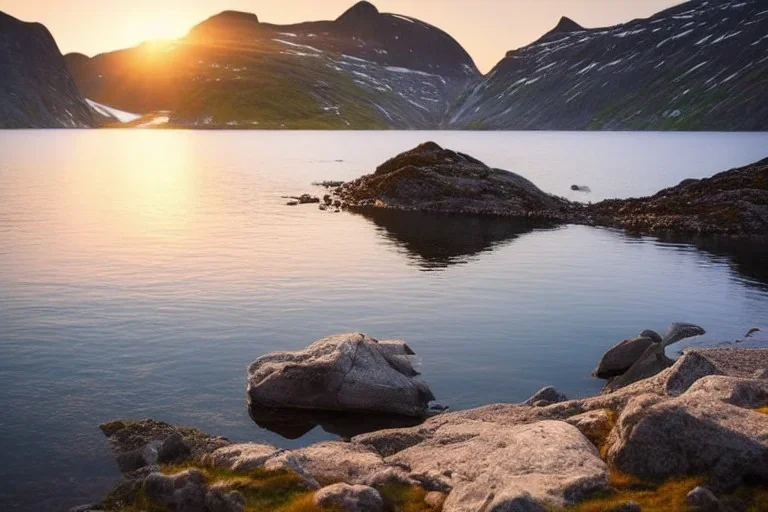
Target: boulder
(650,363)
(620,358)
(348,372)
(185,490)
(689,368)
(173,448)
(504,467)
(595,425)
(546,396)
(435,500)
(349,498)
(657,438)
(747,393)
(702,499)
(241,457)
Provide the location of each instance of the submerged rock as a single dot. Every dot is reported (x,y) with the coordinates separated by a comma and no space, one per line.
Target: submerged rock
(348,372)
(430,178)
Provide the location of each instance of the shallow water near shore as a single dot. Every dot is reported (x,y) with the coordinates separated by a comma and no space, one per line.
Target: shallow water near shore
(141,272)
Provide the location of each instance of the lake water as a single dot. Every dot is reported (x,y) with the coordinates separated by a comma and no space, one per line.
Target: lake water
(141,272)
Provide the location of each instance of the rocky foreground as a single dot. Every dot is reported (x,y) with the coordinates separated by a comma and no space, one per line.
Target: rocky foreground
(429,178)
(694,436)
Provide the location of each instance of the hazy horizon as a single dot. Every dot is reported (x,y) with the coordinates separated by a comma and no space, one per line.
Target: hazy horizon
(487,31)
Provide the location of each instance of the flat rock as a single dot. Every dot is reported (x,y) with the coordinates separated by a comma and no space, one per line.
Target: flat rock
(241,457)
(348,372)
(333,461)
(495,466)
(738,391)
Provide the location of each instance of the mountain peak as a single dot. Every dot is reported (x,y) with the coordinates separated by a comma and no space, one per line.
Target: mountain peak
(565,25)
(361,11)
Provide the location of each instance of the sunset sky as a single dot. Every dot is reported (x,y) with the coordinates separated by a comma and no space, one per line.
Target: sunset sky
(486,28)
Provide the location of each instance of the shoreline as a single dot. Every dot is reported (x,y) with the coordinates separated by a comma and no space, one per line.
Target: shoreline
(427,466)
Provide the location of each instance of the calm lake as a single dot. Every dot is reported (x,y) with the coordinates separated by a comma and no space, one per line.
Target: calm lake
(141,272)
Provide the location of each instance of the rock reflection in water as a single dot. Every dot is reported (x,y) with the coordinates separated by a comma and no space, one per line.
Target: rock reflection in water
(436,241)
(294,423)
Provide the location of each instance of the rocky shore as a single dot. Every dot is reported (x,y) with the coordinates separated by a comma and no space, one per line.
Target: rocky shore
(429,178)
(693,435)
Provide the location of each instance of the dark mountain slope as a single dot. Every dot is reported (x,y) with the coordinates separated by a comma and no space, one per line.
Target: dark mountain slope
(363,70)
(36,89)
(702,65)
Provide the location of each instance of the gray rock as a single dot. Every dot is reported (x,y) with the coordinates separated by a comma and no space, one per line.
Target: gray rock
(689,368)
(173,449)
(549,395)
(350,498)
(522,502)
(348,372)
(128,435)
(241,457)
(620,358)
(747,393)
(490,464)
(223,500)
(331,461)
(657,438)
(702,499)
(390,476)
(680,331)
(650,363)
(653,335)
(751,332)
(136,459)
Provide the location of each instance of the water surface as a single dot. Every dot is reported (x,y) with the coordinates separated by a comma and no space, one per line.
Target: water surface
(141,272)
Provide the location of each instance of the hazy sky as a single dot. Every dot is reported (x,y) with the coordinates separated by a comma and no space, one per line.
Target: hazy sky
(486,28)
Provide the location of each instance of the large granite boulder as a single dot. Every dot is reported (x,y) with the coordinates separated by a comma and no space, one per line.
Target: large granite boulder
(490,465)
(738,391)
(657,438)
(348,372)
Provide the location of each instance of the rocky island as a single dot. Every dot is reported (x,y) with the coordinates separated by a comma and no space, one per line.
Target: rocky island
(430,178)
(693,435)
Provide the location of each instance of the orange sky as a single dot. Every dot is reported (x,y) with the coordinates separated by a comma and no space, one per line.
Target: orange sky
(486,28)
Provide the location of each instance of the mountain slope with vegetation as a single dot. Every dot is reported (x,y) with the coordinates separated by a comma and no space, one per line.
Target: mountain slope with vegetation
(363,70)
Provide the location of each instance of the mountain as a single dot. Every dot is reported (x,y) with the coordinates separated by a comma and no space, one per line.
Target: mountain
(702,65)
(365,69)
(36,89)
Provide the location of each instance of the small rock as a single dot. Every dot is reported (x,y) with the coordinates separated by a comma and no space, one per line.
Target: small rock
(653,335)
(701,499)
(173,448)
(292,203)
(546,396)
(752,331)
(218,500)
(323,207)
(327,199)
(435,500)
(350,498)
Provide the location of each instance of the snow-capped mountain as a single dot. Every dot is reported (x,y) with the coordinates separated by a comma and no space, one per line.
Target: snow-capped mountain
(36,89)
(702,65)
(366,69)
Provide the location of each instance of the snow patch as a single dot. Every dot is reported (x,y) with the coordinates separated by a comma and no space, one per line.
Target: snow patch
(120,115)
